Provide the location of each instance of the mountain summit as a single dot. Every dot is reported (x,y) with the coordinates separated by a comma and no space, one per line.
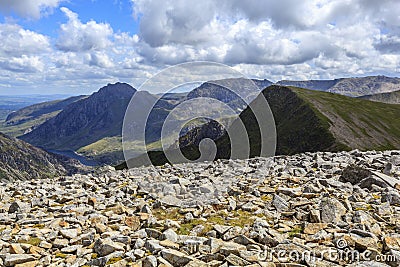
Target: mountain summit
(85,121)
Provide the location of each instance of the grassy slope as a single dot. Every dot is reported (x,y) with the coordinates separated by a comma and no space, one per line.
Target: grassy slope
(109,149)
(357,123)
(308,120)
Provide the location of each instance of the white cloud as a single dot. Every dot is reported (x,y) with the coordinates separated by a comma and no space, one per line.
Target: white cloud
(286,39)
(283,32)
(77,36)
(29,8)
(100,60)
(22,64)
(16,41)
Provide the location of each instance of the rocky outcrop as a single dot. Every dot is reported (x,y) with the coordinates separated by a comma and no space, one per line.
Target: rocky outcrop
(312,209)
(21,161)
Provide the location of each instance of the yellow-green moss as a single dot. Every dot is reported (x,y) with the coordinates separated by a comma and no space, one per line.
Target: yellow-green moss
(61,255)
(170,214)
(113,260)
(34,241)
(187,227)
(295,231)
(236,218)
(376,196)
(266,198)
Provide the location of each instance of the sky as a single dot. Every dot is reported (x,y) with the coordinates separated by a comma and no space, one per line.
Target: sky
(76,47)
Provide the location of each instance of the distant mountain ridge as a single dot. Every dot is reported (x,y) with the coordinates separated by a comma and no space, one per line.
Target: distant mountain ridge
(37,110)
(357,86)
(22,161)
(227,90)
(390,98)
(28,118)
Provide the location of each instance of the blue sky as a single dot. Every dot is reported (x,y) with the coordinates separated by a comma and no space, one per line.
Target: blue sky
(76,47)
(116,13)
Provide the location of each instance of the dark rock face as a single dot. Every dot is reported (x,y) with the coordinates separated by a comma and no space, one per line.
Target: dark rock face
(212,130)
(85,121)
(21,161)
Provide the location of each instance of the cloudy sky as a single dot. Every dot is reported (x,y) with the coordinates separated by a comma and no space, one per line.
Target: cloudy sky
(75,47)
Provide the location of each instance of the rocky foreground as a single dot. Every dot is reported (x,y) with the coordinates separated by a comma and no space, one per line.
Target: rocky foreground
(313,209)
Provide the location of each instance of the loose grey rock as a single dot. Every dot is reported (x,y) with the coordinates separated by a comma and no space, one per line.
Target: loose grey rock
(106,247)
(176,258)
(13,259)
(279,203)
(331,210)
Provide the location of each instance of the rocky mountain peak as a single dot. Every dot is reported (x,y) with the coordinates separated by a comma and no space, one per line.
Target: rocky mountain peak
(117,89)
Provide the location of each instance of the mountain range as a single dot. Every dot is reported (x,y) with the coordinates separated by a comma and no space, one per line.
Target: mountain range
(306,121)
(357,86)
(91,125)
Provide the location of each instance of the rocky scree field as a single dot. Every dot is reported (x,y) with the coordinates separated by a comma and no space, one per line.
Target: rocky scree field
(222,213)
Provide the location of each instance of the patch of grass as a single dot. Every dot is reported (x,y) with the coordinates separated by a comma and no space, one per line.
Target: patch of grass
(295,231)
(171,214)
(266,198)
(109,149)
(94,256)
(187,227)
(376,196)
(236,218)
(34,241)
(367,207)
(113,260)
(61,255)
